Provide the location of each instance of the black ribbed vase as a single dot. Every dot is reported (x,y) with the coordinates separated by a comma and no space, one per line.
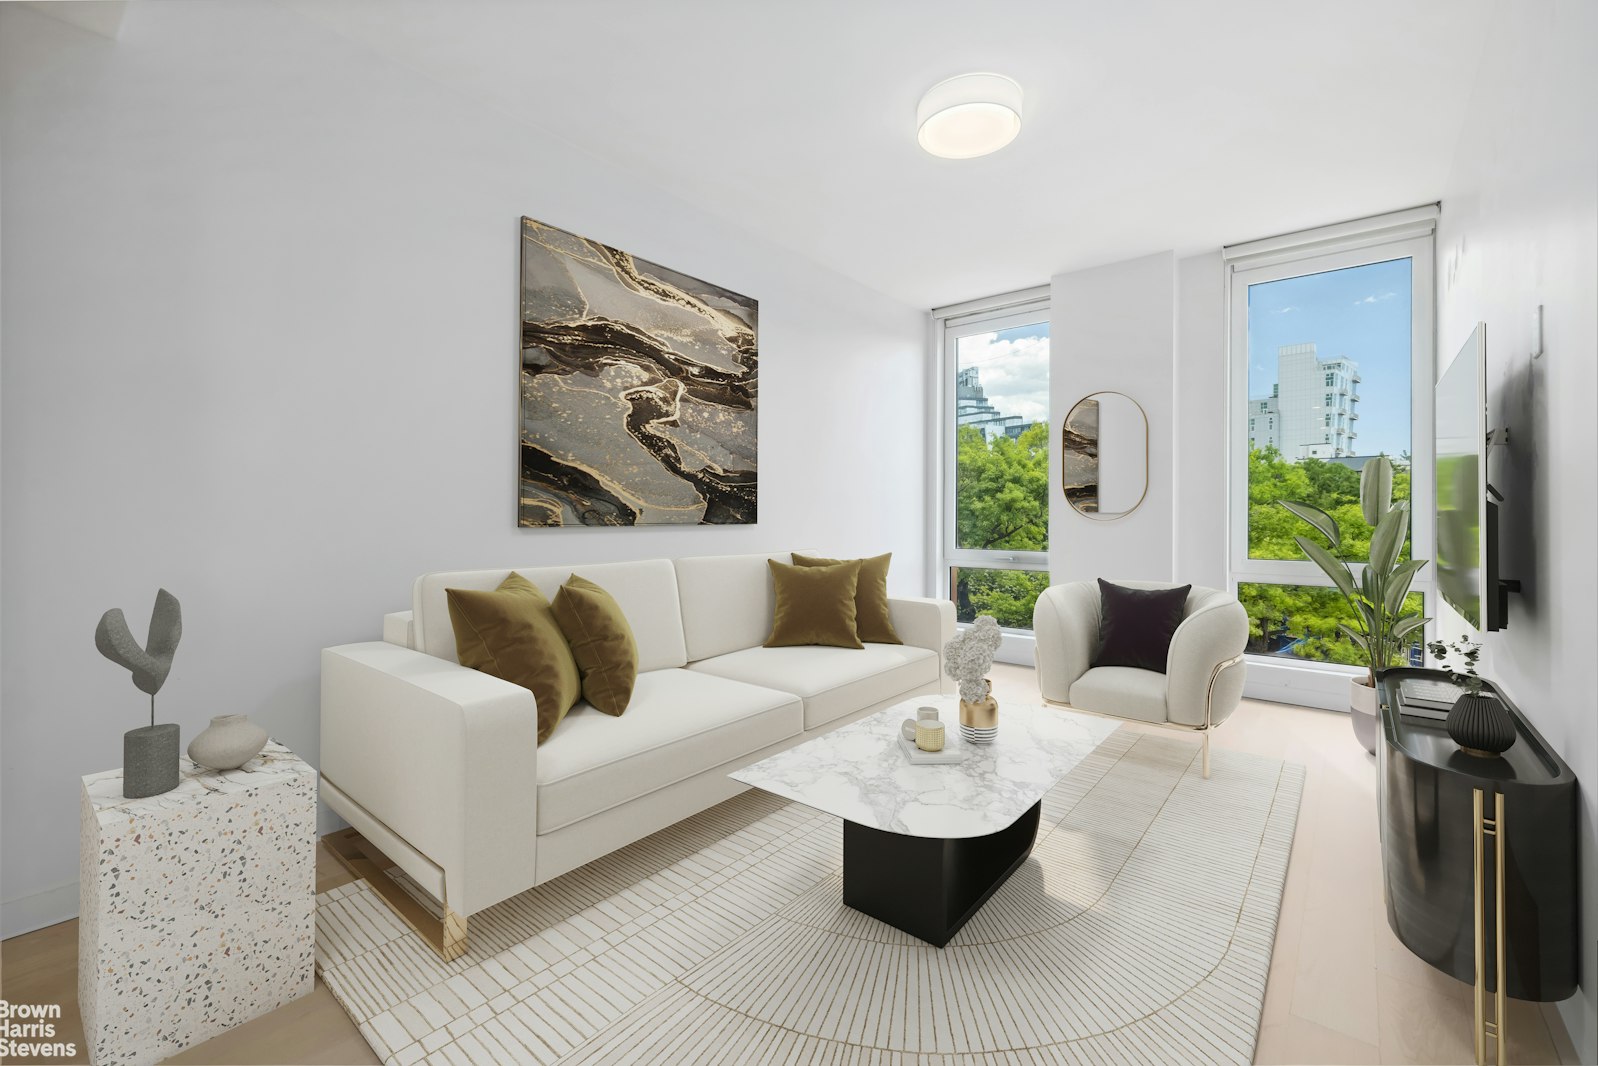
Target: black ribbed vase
(1481,726)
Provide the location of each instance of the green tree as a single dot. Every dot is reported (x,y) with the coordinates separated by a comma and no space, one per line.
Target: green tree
(1001,504)
(1002,490)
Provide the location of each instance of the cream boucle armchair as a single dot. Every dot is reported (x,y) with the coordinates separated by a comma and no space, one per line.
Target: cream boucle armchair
(1203,680)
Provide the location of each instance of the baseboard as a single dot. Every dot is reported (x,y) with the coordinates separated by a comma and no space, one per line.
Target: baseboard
(1564,1045)
(27,913)
(1302,686)
(1019,649)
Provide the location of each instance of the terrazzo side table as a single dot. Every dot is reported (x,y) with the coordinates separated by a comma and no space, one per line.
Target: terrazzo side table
(197,907)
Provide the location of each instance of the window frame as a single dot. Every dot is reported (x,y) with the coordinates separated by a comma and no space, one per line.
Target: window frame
(950,325)
(1408,234)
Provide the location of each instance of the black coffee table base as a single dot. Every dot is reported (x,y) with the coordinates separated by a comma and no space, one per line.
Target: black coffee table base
(929,886)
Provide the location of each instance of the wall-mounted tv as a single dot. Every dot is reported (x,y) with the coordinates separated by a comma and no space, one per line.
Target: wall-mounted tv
(1467,519)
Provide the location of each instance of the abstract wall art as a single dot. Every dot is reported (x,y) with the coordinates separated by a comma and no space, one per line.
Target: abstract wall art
(638,390)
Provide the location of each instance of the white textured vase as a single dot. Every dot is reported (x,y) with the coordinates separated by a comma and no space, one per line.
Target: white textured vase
(230,741)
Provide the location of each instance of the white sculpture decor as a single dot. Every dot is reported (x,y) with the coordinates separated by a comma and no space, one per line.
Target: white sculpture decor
(967,659)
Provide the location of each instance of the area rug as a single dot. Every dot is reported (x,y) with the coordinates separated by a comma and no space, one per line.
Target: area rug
(1140,930)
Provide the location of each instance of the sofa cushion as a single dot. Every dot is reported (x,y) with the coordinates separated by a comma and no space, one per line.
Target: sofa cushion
(512,634)
(601,641)
(646,591)
(678,723)
(831,681)
(1123,691)
(814,605)
(873,617)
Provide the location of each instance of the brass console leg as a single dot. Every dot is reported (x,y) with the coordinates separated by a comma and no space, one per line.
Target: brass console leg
(446,935)
(1483,828)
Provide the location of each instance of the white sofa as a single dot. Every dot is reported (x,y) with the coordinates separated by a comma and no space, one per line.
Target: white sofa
(437,765)
(1204,670)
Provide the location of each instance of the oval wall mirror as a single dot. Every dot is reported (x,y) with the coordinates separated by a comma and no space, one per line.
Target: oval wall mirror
(1104,450)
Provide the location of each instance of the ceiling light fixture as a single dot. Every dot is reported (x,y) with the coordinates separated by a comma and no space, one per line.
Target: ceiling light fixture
(969,115)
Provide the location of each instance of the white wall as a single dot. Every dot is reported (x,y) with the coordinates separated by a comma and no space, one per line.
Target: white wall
(1519,228)
(1113,328)
(260,348)
(1199,459)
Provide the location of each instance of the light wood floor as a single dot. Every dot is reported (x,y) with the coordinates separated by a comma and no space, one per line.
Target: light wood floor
(1341,990)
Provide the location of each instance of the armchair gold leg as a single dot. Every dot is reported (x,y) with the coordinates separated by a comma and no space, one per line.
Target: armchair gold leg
(1206,754)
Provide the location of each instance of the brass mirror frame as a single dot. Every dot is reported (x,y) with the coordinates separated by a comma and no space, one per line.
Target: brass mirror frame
(1097,515)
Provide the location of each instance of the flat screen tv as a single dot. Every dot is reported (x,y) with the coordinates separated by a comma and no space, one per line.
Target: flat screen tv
(1467,519)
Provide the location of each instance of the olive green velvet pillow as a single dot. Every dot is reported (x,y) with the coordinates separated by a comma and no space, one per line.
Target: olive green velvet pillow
(873,620)
(511,633)
(815,605)
(601,641)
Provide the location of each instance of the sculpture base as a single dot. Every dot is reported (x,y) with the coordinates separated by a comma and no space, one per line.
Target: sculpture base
(150,760)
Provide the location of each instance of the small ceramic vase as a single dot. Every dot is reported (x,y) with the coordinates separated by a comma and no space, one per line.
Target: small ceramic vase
(929,735)
(230,741)
(979,721)
(1480,724)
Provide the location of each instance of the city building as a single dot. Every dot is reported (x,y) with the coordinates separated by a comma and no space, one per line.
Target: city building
(971,408)
(1312,408)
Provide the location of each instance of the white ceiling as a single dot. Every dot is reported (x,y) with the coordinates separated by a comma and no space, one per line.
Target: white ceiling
(1149,126)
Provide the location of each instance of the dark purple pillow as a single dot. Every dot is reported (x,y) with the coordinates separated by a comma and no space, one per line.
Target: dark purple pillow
(1136,625)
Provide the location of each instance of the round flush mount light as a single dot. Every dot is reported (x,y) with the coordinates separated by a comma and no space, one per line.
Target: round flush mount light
(969,115)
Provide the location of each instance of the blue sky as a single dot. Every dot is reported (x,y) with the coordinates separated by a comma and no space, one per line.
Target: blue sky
(1360,312)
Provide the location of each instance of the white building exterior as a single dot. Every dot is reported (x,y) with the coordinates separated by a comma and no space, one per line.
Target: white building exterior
(971,408)
(1312,410)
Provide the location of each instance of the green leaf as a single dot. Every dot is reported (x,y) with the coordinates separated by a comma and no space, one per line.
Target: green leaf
(1357,638)
(1398,585)
(1333,567)
(1407,624)
(1370,585)
(1388,540)
(1367,618)
(1317,518)
(1376,489)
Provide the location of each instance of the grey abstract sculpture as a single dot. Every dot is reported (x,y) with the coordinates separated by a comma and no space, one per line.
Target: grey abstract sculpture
(967,657)
(149,753)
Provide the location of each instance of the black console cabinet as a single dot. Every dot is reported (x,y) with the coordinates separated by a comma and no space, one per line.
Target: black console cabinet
(1428,834)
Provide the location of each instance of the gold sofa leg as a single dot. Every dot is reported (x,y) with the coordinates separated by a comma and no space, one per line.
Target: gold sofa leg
(1206,754)
(445,935)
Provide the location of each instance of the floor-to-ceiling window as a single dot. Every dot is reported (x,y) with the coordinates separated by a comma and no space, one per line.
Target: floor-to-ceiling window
(995,536)
(1332,365)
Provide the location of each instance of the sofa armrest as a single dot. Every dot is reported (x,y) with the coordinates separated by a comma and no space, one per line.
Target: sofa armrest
(443,756)
(400,628)
(923,622)
(1214,634)
(1065,625)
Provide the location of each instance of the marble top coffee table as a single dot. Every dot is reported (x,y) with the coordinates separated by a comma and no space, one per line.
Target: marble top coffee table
(925,846)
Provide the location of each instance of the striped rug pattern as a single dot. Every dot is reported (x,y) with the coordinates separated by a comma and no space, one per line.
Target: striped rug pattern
(1139,931)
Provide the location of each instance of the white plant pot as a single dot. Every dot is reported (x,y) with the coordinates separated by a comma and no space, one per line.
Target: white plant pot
(1362,709)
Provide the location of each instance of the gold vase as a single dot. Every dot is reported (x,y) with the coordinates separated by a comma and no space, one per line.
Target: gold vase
(979,720)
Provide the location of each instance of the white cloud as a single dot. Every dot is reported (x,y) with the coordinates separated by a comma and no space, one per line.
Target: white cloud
(1015,373)
(1289,309)
(1373,298)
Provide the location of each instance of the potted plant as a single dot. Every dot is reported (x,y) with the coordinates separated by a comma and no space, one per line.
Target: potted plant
(1376,591)
(1479,722)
